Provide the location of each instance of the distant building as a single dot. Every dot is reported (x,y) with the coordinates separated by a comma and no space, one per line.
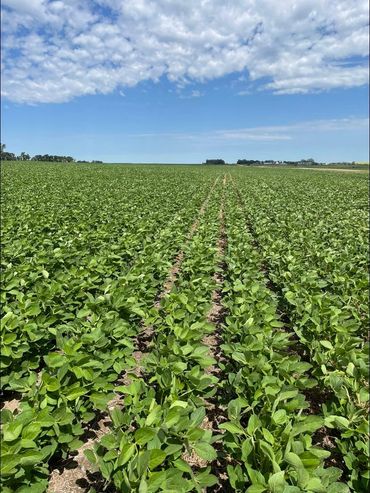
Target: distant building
(307,162)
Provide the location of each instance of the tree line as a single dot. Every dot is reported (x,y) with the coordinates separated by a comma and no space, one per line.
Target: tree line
(24,156)
(251,162)
(51,158)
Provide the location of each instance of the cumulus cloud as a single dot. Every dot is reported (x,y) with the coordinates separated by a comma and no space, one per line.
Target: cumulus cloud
(56,50)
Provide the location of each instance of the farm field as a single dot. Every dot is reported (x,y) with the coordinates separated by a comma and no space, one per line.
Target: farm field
(184,329)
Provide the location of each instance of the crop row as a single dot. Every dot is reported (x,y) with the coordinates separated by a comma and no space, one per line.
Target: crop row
(75,379)
(315,256)
(164,435)
(271,427)
(220,324)
(56,267)
(160,425)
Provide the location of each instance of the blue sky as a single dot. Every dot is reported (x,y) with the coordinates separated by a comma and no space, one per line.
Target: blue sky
(154,82)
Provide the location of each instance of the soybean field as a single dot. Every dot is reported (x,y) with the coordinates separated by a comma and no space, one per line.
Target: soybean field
(183,329)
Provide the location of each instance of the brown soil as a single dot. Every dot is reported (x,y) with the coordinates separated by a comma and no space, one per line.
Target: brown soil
(216,313)
(77,474)
(212,341)
(216,413)
(325,438)
(12,405)
(316,398)
(191,457)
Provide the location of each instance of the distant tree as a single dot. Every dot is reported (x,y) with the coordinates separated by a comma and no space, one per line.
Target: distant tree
(307,162)
(53,159)
(248,162)
(24,156)
(215,161)
(7,156)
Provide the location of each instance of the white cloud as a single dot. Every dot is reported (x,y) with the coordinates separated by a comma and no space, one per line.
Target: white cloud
(264,133)
(56,50)
(195,93)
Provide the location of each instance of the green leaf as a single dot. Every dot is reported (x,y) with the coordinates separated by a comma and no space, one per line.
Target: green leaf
(327,344)
(253,424)
(279,417)
(172,418)
(31,431)
(268,436)
(310,424)
(75,444)
(109,441)
(90,456)
(173,448)
(8,463)
(182,404)
(314,484)
(206,480)
(153,416)
(38,487)
(73,394)
(52,383)
(256,488)
(101,400)
(83,313)
(12,431)
(182,465)
(338,488)
(342,422)
(144,435)
(267,450)
(30,458)
(239,357)
(26,443)
(156,480)
(143,486)
(55,360)
(205,451)
(293,460)
(232,428)
(33,310)
(117,416)
(276,482)
(247,447)
(126,453)
(197,417)
(157,456)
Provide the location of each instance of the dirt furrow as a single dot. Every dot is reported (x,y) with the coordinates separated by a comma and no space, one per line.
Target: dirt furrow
(215,409)
(175,269)
(216,314)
